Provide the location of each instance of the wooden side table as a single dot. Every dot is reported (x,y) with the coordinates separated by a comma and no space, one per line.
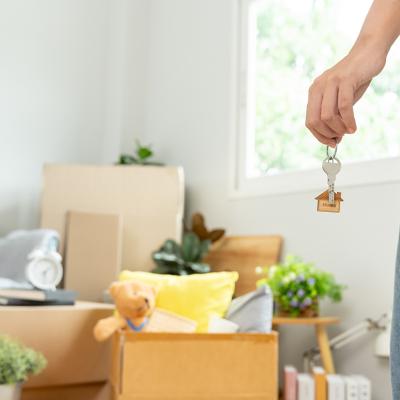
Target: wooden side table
(320,324)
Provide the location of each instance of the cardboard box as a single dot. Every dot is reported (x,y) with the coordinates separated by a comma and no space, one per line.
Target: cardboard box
(64,334)
(149,200)
(93,253)
(185,366)
(93,391)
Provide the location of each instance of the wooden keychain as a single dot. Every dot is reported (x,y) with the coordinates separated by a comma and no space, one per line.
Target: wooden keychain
(329,201)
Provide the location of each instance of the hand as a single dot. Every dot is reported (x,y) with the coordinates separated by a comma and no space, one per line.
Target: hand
(333,94)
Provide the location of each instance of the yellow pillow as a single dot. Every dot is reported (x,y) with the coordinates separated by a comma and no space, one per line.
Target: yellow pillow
(197,296)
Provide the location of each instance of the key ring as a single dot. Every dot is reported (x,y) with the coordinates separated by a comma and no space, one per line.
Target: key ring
(329,156)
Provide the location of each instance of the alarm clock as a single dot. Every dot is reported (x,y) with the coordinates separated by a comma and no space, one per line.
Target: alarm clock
(44,270)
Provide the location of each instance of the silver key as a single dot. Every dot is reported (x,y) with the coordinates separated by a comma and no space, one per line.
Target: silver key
(331,166)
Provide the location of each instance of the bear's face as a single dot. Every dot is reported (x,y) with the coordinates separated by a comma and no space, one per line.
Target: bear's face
(133,299)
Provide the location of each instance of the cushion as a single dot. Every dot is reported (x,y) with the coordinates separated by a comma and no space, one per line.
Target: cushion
(221,325)
(196,297)
(253,311)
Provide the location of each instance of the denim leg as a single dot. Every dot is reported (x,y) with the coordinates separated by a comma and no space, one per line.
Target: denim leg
(395,338)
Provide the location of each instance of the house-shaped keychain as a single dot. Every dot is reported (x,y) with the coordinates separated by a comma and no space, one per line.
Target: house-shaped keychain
(325,206)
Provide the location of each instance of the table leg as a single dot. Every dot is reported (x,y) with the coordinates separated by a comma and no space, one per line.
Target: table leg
(323,343)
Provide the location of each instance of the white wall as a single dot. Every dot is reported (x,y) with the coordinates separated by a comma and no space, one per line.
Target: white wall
(55,81)
(186,89)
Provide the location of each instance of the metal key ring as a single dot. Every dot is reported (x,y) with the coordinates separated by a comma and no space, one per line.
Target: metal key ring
(329,156)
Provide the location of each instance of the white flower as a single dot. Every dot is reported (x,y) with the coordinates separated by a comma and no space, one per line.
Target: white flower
(286,280)
(272,270)
(259,270)
(292,276)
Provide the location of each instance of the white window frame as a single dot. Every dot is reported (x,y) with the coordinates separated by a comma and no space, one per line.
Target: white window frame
(371,172)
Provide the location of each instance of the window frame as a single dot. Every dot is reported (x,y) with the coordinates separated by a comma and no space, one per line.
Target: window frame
(361,173)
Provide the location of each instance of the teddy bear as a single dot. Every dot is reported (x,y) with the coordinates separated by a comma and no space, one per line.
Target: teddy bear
(134,301)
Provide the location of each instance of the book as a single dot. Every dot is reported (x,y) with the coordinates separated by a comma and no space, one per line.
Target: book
(320,383)
(351,388)
(166,321)
(305,387)
(336,387)
(92,253)
(364,387)
(9,301)
(39,295)
(290,383)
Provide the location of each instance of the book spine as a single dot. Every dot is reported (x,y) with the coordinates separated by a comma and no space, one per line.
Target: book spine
(351,390)
(290,384)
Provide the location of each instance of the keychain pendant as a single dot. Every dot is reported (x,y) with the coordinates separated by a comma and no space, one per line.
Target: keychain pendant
(324,205)
(329,201)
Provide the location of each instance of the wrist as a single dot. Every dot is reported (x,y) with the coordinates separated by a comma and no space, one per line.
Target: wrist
(371,45)
(369,51)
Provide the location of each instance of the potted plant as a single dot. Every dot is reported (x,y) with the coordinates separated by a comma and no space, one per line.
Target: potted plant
(182,259)
(298,286)
(141,156)
(17,363)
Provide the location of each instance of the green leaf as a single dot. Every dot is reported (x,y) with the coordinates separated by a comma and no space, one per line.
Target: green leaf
(143,152)
(167,258)
(172,247)
(191,247)
(126,159)
(199,268)
(204,248)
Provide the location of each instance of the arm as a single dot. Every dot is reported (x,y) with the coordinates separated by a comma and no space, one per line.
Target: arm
(333,94)
(106,327)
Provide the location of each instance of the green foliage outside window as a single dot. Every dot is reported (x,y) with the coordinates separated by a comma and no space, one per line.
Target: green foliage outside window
(296,41)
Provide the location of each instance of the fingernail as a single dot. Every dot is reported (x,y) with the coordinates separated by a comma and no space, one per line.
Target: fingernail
(351,130)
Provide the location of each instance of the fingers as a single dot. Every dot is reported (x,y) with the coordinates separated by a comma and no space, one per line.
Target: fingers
(313,118)
(345,106)
(329,110)
(322,139)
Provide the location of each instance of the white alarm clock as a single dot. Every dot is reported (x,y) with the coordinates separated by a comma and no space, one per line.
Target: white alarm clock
(44,270)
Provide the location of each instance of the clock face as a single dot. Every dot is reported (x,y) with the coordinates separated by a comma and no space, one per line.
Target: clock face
(44,272)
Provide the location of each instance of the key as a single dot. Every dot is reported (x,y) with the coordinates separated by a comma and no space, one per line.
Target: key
(331,166)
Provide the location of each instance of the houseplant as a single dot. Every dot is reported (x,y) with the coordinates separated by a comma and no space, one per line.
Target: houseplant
(17,363)
(298,286)
(141,156)
(182,259)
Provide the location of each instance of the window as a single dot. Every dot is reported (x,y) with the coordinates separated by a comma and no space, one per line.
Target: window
(285,44)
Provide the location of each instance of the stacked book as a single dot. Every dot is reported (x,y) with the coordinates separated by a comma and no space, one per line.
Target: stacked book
(322,386)
(36,297)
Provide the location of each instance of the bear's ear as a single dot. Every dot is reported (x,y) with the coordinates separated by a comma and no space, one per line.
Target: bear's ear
(114,289)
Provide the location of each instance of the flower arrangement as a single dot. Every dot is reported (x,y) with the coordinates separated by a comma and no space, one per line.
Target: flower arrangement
(298,286)
(17,362)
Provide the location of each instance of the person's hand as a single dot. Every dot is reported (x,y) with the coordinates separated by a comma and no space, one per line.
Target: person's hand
(333,94)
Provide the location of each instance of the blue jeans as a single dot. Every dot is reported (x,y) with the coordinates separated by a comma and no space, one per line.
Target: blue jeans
(395,339)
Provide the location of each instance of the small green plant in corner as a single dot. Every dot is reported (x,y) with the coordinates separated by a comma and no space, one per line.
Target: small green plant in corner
(182,259)
(298,286)
(18,362)
(141,156)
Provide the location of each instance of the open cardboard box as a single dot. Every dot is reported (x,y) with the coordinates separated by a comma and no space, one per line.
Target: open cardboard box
(188,366)
(78,366)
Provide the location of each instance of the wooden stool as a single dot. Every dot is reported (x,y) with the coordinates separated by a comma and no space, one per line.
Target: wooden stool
(320,324)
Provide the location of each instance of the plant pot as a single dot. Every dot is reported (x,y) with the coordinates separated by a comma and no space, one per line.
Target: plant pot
(311,311)
(10,392)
